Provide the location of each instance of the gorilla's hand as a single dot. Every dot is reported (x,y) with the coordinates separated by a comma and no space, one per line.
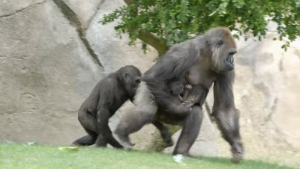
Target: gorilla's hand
(190,101)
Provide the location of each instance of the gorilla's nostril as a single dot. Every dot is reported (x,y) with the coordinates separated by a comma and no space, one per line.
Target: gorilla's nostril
(233,52)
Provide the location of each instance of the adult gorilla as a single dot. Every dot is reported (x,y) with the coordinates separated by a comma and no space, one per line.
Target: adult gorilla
(205,60)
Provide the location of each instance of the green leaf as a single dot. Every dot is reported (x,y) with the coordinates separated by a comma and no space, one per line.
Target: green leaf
(175,21)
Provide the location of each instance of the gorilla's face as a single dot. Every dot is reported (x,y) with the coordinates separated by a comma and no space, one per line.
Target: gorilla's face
(132,79)
(176,88)
(223,48)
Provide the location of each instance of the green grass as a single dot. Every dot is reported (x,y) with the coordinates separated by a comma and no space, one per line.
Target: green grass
(16,156)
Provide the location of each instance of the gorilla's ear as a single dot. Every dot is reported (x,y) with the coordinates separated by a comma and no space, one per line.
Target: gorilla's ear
(138,80)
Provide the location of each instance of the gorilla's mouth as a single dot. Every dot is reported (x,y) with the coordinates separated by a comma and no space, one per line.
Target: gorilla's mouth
(230,59)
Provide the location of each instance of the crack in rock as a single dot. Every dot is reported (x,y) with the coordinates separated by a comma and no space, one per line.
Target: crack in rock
(21,10)
(92,17)
(74,20)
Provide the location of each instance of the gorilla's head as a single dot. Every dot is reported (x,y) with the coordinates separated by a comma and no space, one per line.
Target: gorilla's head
(176,88)
(131,78)
(223,48)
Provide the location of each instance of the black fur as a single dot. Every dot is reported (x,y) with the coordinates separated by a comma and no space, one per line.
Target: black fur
(105,99)
(176,88)
(186,97)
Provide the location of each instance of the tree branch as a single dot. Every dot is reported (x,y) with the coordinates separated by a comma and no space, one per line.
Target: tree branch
(149,38)
(153,41)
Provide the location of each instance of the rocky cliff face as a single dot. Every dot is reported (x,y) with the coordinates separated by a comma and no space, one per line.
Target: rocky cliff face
(51,56)
(53,52)
(267,90)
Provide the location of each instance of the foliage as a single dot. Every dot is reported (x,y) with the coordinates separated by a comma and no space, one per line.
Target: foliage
(174,21)
(13,156)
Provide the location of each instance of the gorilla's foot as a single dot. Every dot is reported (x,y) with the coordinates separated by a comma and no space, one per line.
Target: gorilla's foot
(236,158)
(101,142)
(169,143)
(237,152)
(131,144)
(124,140)
(84,141)
(127,147)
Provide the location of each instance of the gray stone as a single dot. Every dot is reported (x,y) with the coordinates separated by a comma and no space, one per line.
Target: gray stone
(85,10)
(111,50)
(45,74)
(275,74)
(8,7)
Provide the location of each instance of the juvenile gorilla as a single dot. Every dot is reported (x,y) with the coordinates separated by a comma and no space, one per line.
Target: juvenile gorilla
(201,62)
(106,98)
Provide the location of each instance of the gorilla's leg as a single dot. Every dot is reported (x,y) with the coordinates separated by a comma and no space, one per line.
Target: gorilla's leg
(164,132)
(123,135)
(228,123)
(190,131)
(130,124)
(109,139)
(104,133)
(127,126)
(88,122)
(134,121)
(87,140)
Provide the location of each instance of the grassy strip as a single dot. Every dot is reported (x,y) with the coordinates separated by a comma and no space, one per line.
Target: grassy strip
(16,156)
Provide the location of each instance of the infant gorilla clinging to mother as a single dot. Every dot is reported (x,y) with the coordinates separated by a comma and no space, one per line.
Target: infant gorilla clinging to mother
(178,89)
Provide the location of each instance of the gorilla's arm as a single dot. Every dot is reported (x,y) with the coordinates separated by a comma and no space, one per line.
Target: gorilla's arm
(102,120)
(173,66)
(225,113)
(106,100)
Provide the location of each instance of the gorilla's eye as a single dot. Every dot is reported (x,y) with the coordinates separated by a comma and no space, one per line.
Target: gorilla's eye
(138,81)
(220,43)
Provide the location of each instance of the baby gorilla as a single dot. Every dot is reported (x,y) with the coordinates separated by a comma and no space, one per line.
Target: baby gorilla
(177,89)
(185,98)
(106,98)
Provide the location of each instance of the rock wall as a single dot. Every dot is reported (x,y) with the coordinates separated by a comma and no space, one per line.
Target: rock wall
(48,66)
(53,52)
(46,71)
(268,89)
